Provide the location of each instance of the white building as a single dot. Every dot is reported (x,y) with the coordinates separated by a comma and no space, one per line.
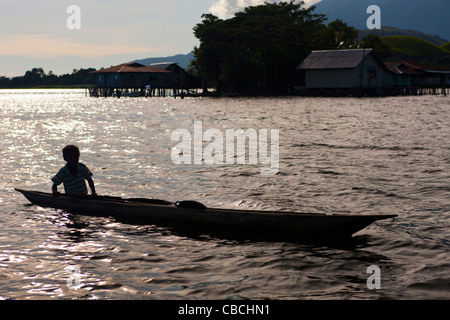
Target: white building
(357,70)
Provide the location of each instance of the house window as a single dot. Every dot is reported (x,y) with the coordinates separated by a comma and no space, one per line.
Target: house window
(372,72)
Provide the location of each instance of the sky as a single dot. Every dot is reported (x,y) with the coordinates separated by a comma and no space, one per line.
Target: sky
(101,33)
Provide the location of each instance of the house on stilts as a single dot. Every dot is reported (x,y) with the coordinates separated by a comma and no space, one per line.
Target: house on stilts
(417,79)
(183,82)
(355,72)
(137,80)
(360,72)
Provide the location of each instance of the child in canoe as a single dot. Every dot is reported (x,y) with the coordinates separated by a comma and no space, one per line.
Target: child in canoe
(73,175)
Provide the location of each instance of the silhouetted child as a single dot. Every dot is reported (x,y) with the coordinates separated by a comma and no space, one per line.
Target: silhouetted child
(73,174)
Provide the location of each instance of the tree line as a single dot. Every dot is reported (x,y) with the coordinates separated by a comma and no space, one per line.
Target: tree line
(255,52)
(38,78)
(258,50)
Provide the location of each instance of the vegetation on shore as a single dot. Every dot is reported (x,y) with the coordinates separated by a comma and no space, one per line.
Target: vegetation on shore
(37,78)
(258,50)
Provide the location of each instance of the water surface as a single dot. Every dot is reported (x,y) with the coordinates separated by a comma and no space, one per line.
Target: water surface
(337,155)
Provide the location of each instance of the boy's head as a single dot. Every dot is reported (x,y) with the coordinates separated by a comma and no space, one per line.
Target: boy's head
(71,152)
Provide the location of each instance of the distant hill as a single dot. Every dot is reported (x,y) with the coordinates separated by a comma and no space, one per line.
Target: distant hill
(430,16)
(183,60)
(417,50)
(413,46)
(391,31)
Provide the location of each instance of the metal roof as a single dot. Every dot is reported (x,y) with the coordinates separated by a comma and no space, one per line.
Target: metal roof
(162,65)
(404,67)
(334,59)
(131,67)
(401,67)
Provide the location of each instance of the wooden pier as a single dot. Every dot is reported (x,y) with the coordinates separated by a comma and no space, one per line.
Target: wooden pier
(371,92)
(141,92)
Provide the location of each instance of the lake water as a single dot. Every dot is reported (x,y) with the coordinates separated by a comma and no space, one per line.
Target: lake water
(336,155)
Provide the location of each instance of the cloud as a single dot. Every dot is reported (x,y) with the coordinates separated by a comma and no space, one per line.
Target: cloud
(227,8)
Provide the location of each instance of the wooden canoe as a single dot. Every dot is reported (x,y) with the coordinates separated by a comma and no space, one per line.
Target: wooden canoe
(195,216)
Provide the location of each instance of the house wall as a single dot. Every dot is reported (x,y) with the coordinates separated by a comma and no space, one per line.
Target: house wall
(182,79)
(402,80)
(329,78)
(374,76)
(140,80)
(100,80)
(433,81)
(134,80)
(108,80)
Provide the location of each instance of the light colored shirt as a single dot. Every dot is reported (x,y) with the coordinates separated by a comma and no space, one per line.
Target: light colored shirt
(73,185)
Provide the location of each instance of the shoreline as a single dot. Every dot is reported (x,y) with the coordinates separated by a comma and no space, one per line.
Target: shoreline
(76,86)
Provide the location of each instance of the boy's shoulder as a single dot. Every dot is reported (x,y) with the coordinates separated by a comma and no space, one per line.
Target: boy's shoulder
(62,169)
(83,167)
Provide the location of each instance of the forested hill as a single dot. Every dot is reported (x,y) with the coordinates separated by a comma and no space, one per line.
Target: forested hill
(391,31)
(430,16)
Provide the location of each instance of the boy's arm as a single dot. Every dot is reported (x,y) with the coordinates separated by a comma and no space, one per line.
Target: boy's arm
(55,189)
(92,186)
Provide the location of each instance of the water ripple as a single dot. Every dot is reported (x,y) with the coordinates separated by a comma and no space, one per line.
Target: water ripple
(344,155)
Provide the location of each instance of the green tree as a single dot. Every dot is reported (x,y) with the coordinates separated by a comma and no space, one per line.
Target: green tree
(4,82)
(341,36)
(37,77)
(258,50)
(208,55)
(378,46)
(34,77)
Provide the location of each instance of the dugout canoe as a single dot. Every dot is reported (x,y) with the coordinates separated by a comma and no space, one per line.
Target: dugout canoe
(193,215)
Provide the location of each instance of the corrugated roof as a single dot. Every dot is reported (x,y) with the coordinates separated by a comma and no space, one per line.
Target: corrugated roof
(162,65)
(401,67)
(131,67)
(334,59)
(404,67)
(424,68)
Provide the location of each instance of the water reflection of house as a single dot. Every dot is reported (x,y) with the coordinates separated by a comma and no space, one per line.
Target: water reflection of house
(340,72)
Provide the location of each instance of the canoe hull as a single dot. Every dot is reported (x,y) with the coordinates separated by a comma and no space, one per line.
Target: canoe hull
(267,224)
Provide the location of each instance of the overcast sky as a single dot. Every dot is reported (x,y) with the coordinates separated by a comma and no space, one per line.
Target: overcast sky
(34,33)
